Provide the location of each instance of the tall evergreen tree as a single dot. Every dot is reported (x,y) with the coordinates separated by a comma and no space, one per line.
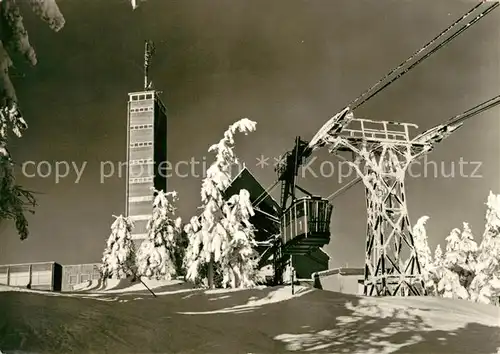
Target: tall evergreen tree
(239,258)
(457,269)
(156,257)
(208,237)
(422,243)
(485,287)
(423,251)
(449,284)
(468,256)
(118,259)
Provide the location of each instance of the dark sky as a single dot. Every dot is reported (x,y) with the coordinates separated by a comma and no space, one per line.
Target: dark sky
(287,64)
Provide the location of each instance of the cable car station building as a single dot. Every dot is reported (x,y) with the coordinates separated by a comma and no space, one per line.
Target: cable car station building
(302,227)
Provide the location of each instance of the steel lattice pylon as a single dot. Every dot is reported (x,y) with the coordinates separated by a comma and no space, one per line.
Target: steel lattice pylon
(382,158)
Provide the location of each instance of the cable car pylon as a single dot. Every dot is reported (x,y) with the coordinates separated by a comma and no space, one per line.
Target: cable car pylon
(384,154)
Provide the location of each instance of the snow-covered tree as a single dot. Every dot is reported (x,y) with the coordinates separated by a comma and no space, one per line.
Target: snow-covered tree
(452,247)
(118,260)
(423,251)
(156,257)
(435,272)
(449,282)
(438,257)
(485,287)
(421,242)
(239,259)
(14,200)
(468,252)
(208,236)
(461,253)
(14,38)
(449,285)
(457,269)
(467,271)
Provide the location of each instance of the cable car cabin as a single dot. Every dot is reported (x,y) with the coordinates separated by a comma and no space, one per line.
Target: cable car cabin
(305,225)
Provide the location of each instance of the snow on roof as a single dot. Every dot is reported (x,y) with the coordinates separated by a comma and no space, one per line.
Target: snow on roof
(326,253)
(246,180)
(27,264)
(341,271)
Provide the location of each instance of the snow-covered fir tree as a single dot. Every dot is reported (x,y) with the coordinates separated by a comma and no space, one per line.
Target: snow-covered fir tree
(423,251)
(118,260)
(466,271)
(156,257)
(437,263)
(448,283)
(421,242)
(458,264)
(208,236)
(14,200)
(485,287)
(14,39)
(239,258)
(468,256)
(452,247)
(435,272)
(438,256)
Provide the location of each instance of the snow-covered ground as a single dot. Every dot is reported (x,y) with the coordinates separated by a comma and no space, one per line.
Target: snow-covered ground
(262,320)
(122,286)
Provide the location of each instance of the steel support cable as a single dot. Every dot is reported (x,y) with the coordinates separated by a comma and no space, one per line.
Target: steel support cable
(357,102)
(480,108)
(262,196)
(360,100)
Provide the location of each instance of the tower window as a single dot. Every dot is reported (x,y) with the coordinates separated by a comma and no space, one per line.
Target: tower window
(141,180)
(138,110)
(141,162)
(142,97)
(149,96)
(140,127)
(142,143)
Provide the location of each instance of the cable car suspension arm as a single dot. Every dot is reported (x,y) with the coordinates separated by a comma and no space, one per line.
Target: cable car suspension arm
(435,134)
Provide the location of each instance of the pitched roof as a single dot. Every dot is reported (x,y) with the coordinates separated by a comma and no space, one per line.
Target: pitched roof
(246,180)
(262,222)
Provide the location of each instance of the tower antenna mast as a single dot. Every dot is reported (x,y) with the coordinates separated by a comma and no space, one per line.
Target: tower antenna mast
(149,51)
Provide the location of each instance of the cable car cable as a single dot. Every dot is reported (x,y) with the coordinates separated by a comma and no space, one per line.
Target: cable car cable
(357,102)
(360,100)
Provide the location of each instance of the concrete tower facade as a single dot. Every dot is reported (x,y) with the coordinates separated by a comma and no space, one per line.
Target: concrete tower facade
(146,157)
